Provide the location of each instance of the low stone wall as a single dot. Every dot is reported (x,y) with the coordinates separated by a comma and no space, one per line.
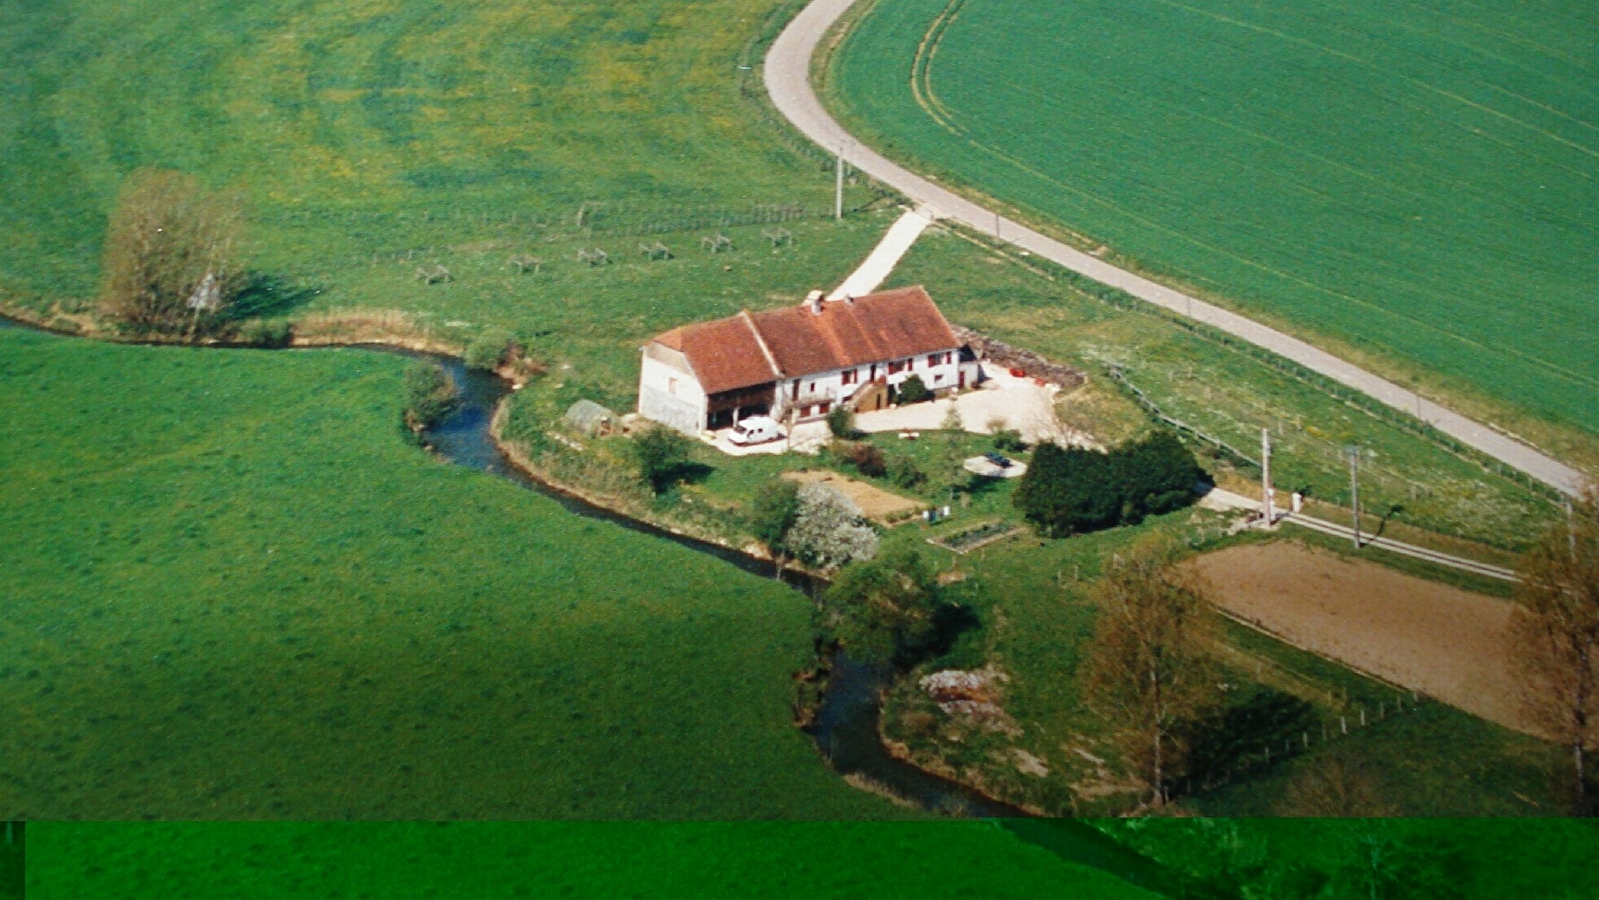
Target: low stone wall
(1002,354)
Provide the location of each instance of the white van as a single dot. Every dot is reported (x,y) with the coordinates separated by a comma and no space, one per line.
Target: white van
(755,430)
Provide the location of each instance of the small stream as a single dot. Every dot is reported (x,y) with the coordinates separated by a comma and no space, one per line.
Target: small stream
(846,726)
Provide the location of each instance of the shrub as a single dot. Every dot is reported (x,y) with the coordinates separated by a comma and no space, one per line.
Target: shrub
(1009,440)
(914,390)
(864,457)
(773,513)
(1072,490)
(904,473)
(841,422)
(490,349)
(662,456)
(430,394)
(266,333)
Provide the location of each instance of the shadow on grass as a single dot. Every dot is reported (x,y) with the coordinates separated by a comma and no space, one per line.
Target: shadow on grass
(266,296)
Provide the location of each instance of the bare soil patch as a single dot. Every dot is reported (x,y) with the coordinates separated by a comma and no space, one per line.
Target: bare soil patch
(1436,639)
(875,503)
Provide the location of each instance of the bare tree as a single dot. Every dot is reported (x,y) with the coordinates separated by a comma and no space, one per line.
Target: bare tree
(1148,671)
(1556,631)
(169,254)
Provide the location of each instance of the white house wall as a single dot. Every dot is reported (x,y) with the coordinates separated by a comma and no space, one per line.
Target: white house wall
(668,391)
(829,387)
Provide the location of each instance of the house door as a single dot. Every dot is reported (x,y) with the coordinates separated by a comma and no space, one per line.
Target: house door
(961,382)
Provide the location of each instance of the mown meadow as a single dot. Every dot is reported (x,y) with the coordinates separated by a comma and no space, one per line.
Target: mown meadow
(1411,183)
(235,591)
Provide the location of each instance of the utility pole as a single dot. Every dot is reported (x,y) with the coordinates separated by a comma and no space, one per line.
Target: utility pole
(1267,495)
(1353,451)
(838,189)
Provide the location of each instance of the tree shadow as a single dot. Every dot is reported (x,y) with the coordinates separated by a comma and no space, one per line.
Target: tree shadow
(266,295)
(1261,718)
(1382,524)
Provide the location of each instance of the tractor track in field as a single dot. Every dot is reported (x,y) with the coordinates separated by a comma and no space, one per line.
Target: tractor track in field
(787,75)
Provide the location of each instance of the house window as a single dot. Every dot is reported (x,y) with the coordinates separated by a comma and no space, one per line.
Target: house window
(894,368)
(848,377)
(822,410)
(934,359)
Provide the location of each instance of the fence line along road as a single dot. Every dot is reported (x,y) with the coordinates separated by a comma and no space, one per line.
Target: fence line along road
(787,72)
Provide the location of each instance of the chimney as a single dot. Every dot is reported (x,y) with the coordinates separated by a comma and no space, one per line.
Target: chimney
(814,301)
(849,299)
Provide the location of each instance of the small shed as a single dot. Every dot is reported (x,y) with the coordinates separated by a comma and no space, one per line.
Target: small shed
(590,418)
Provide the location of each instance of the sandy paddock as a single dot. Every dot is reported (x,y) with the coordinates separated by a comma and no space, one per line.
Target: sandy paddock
(1436,639)
(875,503)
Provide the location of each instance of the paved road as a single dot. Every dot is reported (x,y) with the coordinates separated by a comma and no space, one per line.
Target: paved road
(787,74)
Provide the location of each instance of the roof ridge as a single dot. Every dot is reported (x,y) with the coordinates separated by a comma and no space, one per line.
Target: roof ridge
(777,371)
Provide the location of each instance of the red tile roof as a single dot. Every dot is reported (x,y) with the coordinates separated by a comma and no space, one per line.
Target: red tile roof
(728,353)
(875,328)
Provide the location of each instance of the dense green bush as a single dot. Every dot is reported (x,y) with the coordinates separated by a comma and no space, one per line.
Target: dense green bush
(430,394)
(1072,490)
(1009,440)
(914,390)
(841,422)
(489,349)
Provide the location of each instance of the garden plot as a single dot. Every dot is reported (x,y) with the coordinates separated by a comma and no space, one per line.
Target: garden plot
(875,503)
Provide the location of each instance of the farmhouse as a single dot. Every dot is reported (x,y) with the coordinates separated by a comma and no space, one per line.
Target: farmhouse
(797,363)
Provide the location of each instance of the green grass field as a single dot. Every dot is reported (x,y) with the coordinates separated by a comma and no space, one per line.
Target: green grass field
(234,591)
(576,860)
(387,131)
(1414,181)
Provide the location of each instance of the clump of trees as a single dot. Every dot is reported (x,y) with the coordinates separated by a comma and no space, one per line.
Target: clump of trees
(1067,491)
(170,256)
(884,610)
(662,456)
(430,394)
(1148,671)
(1556,631)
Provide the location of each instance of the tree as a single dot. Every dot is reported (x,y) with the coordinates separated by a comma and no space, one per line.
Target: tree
(662,456)
(169,255)
(829,530)
(772,516)
(1147,671)
(883,609)
(1555,629)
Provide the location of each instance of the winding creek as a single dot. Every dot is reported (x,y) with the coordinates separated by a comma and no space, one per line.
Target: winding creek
(846,726)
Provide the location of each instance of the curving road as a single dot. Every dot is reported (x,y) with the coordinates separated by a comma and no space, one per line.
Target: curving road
(787,71)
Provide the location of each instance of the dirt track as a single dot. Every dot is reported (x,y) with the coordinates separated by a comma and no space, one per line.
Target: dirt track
(1436,639)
